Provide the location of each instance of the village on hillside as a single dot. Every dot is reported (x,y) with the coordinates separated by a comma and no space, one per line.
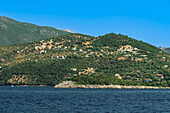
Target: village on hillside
(82,46)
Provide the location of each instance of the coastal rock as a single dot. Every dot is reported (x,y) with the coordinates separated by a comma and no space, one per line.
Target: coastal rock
(71,84)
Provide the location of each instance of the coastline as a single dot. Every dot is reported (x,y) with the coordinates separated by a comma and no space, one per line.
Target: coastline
(28,85)
(71,84)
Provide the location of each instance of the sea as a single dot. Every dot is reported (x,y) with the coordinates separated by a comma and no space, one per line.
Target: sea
(51,100)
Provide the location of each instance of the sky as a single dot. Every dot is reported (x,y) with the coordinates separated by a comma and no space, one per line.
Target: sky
(146,20)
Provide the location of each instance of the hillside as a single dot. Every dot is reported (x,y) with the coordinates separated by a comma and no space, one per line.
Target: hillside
(109,59)
(14,32)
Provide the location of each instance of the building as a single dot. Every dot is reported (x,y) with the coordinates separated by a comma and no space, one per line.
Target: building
(41,47)
(127,55)
(143,55)
(42,51)
(121,58)
(80,50)
(53,57)
(160,76)
(74,48)
(86,56)
(126,48)
(165,66)
(41,41)
(74,69)
(118,76)
(147,80)
(36,48)
(58,57)
(65,47)
(50,46)
(85,52)
(138,59)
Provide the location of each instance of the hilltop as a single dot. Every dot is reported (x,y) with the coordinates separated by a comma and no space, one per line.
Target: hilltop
(15,32)
(110,59)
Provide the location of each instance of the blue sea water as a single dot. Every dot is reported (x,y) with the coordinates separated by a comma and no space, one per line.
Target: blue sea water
(50,100)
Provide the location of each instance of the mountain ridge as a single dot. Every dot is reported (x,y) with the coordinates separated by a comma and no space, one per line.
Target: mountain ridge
(165,49)
(14,32)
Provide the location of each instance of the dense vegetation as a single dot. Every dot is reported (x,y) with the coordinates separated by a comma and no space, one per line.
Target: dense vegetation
(114,40)
(14,32)
(133,73)
(108,59)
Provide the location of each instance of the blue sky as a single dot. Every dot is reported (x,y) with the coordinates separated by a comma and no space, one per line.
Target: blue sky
(146,20)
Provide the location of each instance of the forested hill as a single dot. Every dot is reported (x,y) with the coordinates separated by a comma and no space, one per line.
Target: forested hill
(109,59)
(14,32)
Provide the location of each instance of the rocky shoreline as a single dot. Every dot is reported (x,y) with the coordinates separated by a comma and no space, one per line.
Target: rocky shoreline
(71,84)
(28,85)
